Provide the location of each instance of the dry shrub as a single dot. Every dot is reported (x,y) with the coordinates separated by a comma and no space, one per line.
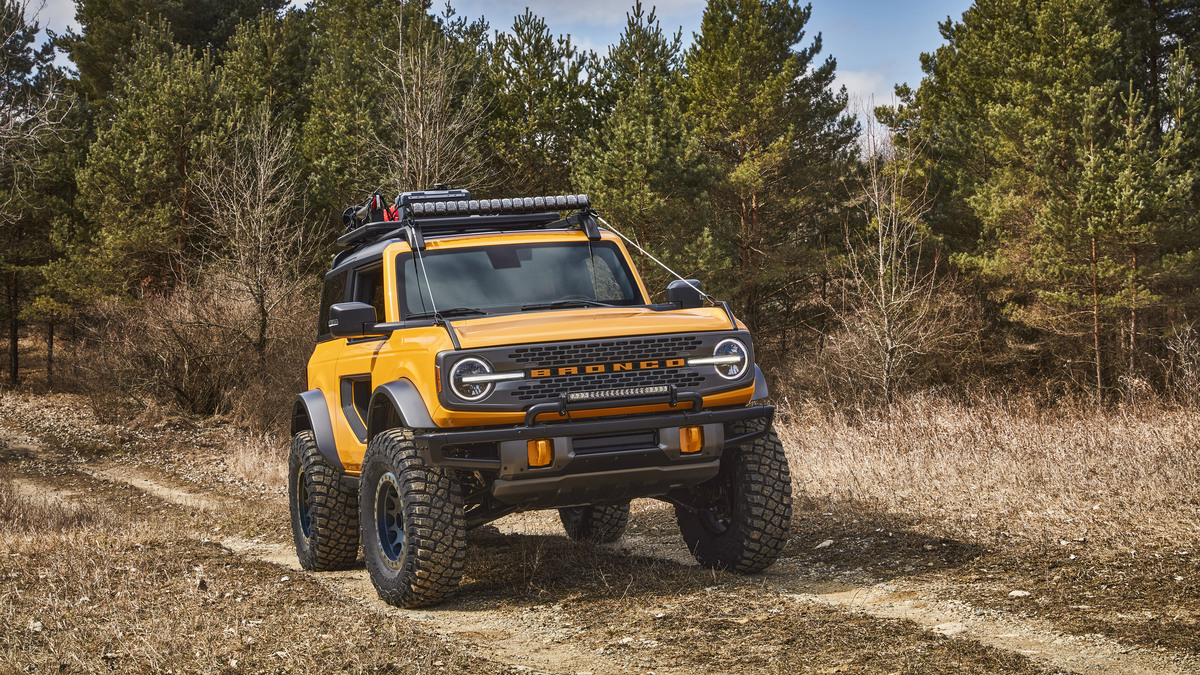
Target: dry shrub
(204,349)
(261,457)
(1183,368)
(987,470)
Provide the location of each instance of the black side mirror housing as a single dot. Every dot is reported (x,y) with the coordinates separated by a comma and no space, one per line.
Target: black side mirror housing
(687,294)
(351,319)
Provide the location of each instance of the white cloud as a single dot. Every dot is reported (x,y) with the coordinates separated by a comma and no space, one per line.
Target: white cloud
(867,88)
(56,15)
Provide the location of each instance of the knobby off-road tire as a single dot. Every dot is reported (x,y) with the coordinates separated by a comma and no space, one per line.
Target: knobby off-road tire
(413,528)
(746,509)
(324,512)
(595,523)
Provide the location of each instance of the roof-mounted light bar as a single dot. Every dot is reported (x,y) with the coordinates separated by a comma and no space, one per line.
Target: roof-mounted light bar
(481,207)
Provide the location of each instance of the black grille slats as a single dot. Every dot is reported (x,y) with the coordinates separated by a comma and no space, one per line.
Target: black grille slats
(607,351)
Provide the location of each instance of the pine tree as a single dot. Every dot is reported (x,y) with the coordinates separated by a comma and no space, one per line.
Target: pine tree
(31,108)
(269,61)
(766,112)
(339,143)
(135,185)
(540,111)
(641,166)
(108,32)
(1061,169)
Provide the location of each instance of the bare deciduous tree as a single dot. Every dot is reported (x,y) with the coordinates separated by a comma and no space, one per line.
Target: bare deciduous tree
(256,232)
(433,113)
(29,110)
(889,314)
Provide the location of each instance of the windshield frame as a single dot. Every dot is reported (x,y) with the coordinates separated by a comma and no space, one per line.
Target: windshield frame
(639,298)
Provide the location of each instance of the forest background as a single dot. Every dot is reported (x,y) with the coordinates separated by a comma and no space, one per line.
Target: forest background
(1023,222)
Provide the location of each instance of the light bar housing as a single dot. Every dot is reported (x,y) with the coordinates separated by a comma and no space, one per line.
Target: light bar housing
(444,207)
(623,392)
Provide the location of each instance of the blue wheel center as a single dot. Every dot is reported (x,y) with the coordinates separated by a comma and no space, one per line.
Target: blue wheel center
(304,504)
(389,518)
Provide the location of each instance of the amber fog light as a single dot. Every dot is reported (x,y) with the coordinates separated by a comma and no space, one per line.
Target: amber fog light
(541,452)
(691,440)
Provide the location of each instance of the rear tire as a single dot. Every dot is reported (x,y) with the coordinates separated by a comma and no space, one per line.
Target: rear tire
(745,512)
(595,523)
(324,512)
(413,528)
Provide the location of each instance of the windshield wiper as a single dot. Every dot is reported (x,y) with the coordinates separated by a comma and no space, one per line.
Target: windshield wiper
(570,302)
(454,311)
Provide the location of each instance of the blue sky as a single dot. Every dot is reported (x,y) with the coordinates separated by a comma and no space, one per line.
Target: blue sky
(877,43)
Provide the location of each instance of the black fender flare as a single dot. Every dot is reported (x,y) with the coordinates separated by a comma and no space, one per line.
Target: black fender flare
(311,413)
(760,385)
(397,403)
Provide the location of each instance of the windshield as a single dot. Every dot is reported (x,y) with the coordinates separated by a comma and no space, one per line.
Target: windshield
(509,278)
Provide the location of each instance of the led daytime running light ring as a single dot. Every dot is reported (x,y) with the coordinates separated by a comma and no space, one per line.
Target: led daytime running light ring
(742,362)
(456,380)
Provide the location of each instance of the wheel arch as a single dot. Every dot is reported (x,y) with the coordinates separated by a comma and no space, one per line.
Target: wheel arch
(310,412)
(397,404)
(760,385)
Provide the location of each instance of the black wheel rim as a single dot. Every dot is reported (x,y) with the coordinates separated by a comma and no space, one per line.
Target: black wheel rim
(718,516)
(304,504)
(389,518)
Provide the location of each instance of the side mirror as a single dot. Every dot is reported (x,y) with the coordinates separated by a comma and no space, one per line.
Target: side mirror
(351,319)
(686,293)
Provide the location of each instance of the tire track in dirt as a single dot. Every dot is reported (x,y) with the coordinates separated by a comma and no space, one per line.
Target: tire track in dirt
(886,600)
(503,637)
(920,604)
(517,640)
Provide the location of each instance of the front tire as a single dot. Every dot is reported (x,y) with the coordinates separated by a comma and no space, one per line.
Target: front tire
(740,519)
(595,523)
(413,528)
(324,512)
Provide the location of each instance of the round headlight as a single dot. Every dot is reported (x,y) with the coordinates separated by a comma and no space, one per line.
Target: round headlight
(470,391)
(731,348)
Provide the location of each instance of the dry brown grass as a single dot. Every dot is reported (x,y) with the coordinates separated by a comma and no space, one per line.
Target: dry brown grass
(84,587)
(24,514)
(261,457)
(1126,477)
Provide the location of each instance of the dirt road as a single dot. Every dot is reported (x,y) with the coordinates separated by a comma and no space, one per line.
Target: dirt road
(845,597)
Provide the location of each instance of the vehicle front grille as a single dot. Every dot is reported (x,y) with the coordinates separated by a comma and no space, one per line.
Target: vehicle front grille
(607,351)
(616,363)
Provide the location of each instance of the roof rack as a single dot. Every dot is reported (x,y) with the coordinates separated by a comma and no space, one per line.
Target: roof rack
(432,213)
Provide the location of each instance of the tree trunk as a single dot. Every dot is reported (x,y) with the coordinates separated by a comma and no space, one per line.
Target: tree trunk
(746,262)
(1133,314)
(264,318)
(50,355)
(13,326)
(1096,323)
(824,313)
(73,338)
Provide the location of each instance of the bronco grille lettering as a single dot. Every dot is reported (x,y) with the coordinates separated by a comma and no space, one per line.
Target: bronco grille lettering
(607,368)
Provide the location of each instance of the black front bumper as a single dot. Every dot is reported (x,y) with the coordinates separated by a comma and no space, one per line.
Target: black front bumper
(596,460)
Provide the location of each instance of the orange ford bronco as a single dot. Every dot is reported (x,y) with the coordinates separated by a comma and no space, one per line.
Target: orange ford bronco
(481,357)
